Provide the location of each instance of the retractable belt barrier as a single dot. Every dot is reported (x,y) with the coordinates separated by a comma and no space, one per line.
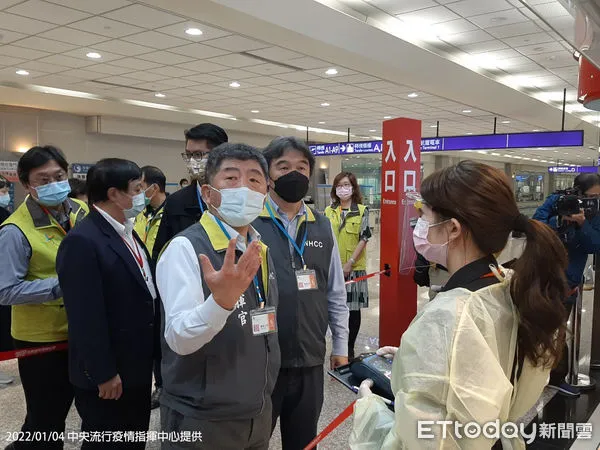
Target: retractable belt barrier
(385,271)
(332,426)
(33,351)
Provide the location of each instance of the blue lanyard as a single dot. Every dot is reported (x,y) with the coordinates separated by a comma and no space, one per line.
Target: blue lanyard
(261,301)
(200,200)
(300,249)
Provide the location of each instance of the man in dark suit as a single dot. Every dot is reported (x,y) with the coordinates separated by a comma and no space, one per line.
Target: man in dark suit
(185,207)
(109,293)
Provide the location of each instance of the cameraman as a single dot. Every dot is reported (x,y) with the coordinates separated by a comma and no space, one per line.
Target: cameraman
(580,234)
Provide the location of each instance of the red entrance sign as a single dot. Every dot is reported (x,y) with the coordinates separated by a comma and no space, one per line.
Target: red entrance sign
(400,173)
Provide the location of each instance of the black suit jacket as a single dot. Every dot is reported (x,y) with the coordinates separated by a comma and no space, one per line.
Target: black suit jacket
(181,211)
(109,307)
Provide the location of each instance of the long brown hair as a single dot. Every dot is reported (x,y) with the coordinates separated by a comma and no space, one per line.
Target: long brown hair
(481,199)
(356,194)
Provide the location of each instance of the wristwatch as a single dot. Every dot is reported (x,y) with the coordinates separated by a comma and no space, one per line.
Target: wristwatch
(352,261)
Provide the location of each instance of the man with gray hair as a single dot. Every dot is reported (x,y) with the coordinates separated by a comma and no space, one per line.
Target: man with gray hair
(221,352)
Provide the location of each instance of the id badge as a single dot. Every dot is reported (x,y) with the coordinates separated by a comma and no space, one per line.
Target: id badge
(264,321)
(306,279)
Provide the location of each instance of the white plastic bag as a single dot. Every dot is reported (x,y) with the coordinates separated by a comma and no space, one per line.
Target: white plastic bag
(372,423)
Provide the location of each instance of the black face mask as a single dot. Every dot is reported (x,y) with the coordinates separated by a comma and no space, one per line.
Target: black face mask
(292,187)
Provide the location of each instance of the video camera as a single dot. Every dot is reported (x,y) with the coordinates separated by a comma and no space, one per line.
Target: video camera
(570,203)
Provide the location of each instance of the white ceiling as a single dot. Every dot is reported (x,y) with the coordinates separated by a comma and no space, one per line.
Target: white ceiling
(145,50)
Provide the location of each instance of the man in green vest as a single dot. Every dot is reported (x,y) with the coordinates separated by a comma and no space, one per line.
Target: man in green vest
(29,239)
(154,184)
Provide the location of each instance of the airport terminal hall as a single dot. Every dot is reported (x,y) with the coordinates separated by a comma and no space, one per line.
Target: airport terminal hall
(299,224)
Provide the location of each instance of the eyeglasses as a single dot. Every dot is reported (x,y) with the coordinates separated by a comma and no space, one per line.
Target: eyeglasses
(41,181)
(196,155)
(345,185)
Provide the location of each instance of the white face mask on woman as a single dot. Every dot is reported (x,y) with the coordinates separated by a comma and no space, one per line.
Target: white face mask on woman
(240,206)
(434,253)
(344,192)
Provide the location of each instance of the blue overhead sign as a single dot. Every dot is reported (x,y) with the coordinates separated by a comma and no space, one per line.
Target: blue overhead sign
(482,142)
(573,169)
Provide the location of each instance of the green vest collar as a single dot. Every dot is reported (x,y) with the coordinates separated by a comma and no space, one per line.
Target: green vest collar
(43,220)
(217,238)
(265,213)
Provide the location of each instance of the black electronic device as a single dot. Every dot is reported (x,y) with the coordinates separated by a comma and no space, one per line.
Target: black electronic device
(367,365)
(569,203)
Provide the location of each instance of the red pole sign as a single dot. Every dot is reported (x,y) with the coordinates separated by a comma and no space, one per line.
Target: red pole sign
(400,173)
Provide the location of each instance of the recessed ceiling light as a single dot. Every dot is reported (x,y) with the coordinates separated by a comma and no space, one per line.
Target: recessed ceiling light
(193,31)
(469,133)
(372,131)
(432,126)
(321,123)
(325,104)
(535,130)
(467,111)
(506,121)
(22,72)
(159,95)
(234,84)
(255,111)
(387,117)
(331,71)
(94,55)
(413,95)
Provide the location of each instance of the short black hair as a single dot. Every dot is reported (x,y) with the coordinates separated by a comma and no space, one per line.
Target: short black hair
(4,183)
(78,187)
(279,145)
(241,152)
(184,180)
(38,156)
(585,181)
(213,134)
(108,173)
(153,175)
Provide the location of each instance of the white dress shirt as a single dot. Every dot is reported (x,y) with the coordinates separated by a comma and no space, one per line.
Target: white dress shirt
(191,321)
(125,231)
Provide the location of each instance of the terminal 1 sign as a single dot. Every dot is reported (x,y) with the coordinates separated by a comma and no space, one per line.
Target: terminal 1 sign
(572,138)
(573,169)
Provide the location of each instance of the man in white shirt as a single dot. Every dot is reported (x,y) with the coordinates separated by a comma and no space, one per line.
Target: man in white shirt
(104,272)
(221,352)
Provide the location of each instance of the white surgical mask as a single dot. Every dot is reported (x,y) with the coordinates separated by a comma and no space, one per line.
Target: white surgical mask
(434,253)
(138,205)
(4,200)
(240,206)
(344,192)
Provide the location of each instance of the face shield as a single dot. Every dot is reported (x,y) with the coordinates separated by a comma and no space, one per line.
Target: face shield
(413,203)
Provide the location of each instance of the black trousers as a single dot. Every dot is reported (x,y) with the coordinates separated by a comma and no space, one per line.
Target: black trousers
(158,381)
(48,394)
(297,402)
(354,326)
(130,413)
(236,434)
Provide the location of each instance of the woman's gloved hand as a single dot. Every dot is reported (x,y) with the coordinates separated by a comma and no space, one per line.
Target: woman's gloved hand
(387,352)
(364,390)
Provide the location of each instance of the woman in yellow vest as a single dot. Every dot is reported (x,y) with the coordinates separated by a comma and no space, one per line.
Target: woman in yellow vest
(350,221)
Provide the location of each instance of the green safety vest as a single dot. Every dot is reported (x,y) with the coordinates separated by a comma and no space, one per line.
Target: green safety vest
(347,233)
(147,227)
(44,322)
